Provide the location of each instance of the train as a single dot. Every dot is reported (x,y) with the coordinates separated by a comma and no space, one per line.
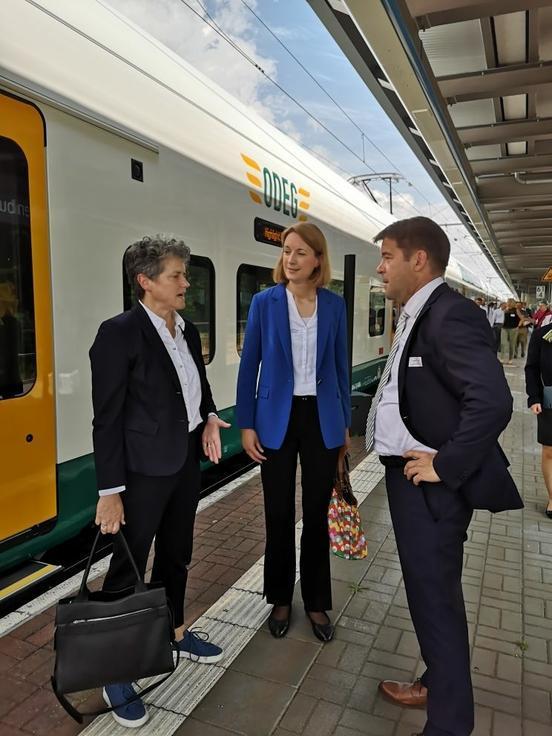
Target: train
(107,135)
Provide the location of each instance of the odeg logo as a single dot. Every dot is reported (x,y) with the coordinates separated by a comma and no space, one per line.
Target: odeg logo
(277,192)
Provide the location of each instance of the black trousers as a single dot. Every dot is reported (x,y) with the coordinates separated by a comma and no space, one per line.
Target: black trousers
(304,440)
(497,329)
(430,523)
(162,507)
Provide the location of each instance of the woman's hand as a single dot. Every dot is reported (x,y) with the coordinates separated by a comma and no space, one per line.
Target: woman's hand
(536,408)
(110,513)
(210,439)
(252,446)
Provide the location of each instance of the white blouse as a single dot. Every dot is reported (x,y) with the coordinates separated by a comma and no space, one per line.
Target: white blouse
(303,348)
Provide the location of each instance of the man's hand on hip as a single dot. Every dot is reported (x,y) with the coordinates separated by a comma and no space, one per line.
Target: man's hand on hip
(110,513)
(419,469)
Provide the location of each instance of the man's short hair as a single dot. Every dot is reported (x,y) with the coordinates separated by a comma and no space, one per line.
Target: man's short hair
(420,233)
(147,256)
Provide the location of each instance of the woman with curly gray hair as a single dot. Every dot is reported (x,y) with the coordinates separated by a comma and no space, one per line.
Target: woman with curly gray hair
(153,416)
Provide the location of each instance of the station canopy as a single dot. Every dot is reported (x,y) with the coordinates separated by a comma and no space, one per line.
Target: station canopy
(468,84)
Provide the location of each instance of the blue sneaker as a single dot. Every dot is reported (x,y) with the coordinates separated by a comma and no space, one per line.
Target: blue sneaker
(131,715)
(195,646)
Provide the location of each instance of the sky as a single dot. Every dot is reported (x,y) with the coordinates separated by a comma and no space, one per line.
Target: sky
(227,41)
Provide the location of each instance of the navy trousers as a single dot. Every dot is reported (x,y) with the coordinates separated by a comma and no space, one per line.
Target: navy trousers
(430,523)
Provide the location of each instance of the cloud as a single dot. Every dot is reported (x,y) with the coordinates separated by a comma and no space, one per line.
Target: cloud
(175,25)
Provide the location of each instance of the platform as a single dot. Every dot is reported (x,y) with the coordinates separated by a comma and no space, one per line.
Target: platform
(297,685)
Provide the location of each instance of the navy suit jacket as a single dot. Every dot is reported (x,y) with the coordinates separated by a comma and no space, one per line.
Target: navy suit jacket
(538,368)
(140,419)
(456,399)
(265,405)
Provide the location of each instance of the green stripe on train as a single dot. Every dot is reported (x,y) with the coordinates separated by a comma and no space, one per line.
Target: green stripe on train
(76,482)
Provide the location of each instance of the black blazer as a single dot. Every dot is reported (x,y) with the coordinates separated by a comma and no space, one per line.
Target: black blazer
(140,420)
(455,398)
(538,368)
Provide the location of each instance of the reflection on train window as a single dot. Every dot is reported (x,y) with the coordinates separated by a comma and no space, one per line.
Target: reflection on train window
(251,279)
(376,319)
(17,332)
(336,286)
(200,302)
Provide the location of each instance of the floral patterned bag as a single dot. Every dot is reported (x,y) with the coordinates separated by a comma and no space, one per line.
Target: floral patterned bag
(347,539)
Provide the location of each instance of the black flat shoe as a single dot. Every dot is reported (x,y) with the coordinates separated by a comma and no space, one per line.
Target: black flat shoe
(548,513)
(324,632)
(278,627)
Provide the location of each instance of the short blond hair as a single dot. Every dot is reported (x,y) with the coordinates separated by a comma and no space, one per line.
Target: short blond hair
(313,237)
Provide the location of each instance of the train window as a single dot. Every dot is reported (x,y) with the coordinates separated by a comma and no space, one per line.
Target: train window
(376,317)
(250,280)
(200,302)
(17,332)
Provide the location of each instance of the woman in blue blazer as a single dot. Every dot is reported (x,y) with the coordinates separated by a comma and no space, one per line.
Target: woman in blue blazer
(296,405)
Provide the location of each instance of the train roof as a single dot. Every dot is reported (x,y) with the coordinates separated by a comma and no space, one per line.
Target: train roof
(91,57)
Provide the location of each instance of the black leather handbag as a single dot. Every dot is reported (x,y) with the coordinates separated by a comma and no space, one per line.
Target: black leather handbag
(102,638)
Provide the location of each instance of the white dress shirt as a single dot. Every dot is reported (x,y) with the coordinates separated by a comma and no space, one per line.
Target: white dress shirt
(303,348)
(391,436)
(186,369)
(497,317)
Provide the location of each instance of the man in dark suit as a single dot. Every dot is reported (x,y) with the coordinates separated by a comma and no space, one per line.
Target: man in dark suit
(435,420)
(153,414)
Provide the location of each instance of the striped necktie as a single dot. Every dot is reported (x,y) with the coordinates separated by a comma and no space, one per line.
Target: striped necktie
(371,420)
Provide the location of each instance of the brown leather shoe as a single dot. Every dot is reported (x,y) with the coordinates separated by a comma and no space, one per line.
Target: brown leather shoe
(412,694)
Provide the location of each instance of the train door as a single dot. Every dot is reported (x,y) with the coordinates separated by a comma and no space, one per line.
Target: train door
(27,423)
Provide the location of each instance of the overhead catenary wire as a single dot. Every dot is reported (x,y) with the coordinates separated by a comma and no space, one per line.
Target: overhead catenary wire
(363,134)
(226,37)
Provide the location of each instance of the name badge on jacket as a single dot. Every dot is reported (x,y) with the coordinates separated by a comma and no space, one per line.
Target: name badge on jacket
(415,363)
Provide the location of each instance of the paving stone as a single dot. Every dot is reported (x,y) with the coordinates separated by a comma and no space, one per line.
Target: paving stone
(483,721)
(534,606)
(285,660)
(323,691)
(497,702)
(387,639)
(489,616)
(370,725)
(238,699)
(194,727)
(484,661)
(533,728)
(408,645)
(500,687)
(353,658)
(536,705)
(323,720)
(397,661)
(298,713)
(336,677)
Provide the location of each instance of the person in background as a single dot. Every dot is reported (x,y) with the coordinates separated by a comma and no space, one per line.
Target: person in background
(496,320)
(293,403)
(154,414)
(508,333)
(540,313)
(538,384)
(525,322)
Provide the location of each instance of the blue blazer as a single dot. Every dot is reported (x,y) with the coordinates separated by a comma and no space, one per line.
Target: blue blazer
(265,405)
